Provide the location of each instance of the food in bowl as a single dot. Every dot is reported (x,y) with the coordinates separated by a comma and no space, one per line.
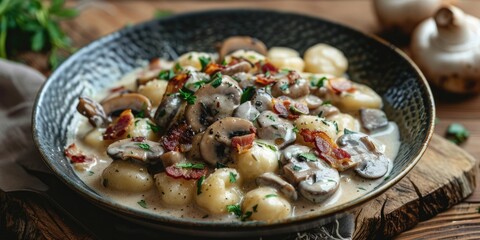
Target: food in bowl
(248,133)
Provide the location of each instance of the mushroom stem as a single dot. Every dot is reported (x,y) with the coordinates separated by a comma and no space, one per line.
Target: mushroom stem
(452,28)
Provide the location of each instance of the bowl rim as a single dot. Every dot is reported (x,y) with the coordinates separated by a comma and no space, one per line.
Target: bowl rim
(342,209)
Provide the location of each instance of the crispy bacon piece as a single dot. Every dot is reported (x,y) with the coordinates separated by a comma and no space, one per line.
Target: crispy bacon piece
(185,173)
(291,110)
(263,80)
(176,83)
(118,89)
(292,76)
(213,68)
(155,64)
(178,134)
(75,155)
(327,149)
(281,108)
(243,143)
(339,85)
(118,128)
(266,67)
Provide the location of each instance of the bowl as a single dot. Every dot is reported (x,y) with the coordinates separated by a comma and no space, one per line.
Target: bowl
(407,97)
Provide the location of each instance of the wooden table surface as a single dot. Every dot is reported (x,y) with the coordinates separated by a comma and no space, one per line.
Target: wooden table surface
(99,18)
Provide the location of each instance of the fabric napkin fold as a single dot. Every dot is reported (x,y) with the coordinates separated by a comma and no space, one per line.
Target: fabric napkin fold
(19,85)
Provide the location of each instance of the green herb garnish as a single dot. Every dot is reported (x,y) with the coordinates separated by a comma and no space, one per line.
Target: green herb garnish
(284,87)
(221,165)
(268,74)
(328,102)
(187,95)
(90,173)
(346,131)
(308,157)
(295,129)
(204,61)
(166,75)
(273,148)
(271,118)
(142,203)
(247,94)
(296,168)
(457,133)
(178,67)
(190,165)
(217,79)
(153,127)
(336,126)
(199,185)
(235,209)
(271,195)
(233,177)
(361,188)
(246,216)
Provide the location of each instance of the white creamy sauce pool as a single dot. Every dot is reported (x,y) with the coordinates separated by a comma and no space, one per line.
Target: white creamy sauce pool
(350,188)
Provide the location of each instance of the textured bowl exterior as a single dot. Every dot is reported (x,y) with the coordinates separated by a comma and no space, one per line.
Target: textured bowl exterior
(406,95)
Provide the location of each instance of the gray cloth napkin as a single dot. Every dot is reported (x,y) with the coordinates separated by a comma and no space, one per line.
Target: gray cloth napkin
(18,87)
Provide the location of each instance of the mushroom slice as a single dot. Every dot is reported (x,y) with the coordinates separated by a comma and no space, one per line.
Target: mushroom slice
(136,102)
(135,148)
(272,127)
(290,153)
(168,111)
(273,180)
(373,119)
(93,111)
(216,143)
(213,102)
(262,100)
(370,162)
(325,110)
(237,68)
(320,185)
(246,111)
(234,43)
(292,85)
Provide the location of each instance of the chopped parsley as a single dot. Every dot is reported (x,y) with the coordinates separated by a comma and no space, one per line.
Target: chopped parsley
(140,114)
(166,75)
(187,95)
(90,173)
(317,82)
(308,157)
(328,102)
(199,185)
(346,131)
(190,165)
(296,168)
(262,144)
(224,63)
(295,129)
(217,79)
(233,177)
(331,180)
(204,61)
(246,216)
(221,165)
(457,133)
(325,122)
(284,87)
(144,146)
(142,203)
(268,74)
(361,188)
(235,209)
(271,118)
(247,94)
(198,84)
(178,67)
(153,127)
(271,195)
(320,114)
(336,126)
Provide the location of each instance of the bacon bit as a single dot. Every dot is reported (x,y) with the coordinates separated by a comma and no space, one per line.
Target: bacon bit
(75,155)
(155,64)
(280,108)
(235,60)
(180,133)
(185,173)
(339,85)
(119,127)
(176,83)
(264,81)
(286,109)
(267,67)
(213,68)
(292,77)
(327,149)
(243,143)
(138,139)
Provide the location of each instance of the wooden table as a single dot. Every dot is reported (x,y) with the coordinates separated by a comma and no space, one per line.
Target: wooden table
(99,18)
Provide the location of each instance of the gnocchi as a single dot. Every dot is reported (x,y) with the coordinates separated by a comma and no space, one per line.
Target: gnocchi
(266,204)
(127,176)
(323,58)
(257,160)
(175,192)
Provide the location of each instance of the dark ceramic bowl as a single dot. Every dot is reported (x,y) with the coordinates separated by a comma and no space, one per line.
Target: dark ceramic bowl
(406,95)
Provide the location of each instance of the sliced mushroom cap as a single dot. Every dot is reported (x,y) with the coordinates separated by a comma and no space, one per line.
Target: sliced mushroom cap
(135,148)
(313,101)
(373,119)
(370,163)
(136,102)
(168,111)
(320,185)
(213,102)
(283,87)
(93,111)
(234,43)
(246,111)
(262,100)
(244,79)
(273,180)
(272,127)
(172,157)
(216,142)
(237,68)
(290,153)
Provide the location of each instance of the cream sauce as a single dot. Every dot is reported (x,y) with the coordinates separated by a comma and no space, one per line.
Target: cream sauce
(351,185)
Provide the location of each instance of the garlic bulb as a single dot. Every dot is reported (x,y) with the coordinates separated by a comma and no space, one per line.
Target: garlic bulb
(447,49)
(405,14)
